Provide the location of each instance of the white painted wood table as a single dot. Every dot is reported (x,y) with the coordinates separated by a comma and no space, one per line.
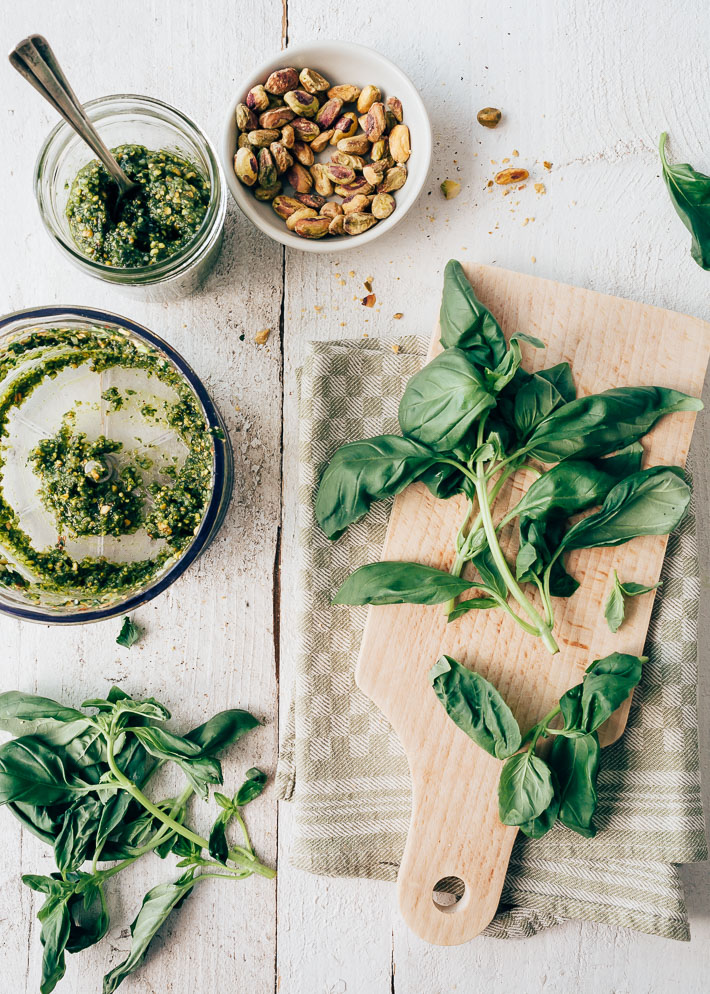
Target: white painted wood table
(585,86)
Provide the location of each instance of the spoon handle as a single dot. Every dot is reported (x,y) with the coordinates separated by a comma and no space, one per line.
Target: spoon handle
(34,59)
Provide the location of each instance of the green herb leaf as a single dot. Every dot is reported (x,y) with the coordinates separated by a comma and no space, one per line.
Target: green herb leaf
(600,424)
(525,789)
(537,827)
(32,773)
(77,834)
(466,323)
(252,787)
(16,706)
(442,403)
(624,462)
(199,769)
(129,634)
(54,935)
(690,195)
(222,730)
(472,604)
(566,489)
(575,762)
(218,845)
(362,472)
(615,607)
(541,394)
(606,685)
(400,583)
(476,707)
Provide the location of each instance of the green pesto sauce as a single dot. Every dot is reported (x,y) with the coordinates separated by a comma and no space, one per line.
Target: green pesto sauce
(151,224)
(171,511)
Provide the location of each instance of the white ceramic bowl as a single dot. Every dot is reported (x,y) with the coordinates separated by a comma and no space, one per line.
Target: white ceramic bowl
(339,62)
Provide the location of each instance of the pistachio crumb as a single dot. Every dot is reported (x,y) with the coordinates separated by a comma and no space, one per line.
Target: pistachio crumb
(396,348)
(398,316)
(261,336)
(540,188)
(369,300)
(547,165)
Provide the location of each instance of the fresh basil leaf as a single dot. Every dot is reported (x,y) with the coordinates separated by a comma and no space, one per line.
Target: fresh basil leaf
(252,787)
(525,789)
(88,918)
(54,935)
(472,604)
(489,572)
(362,472)
(443,481)
(400,583)
(690,195)
(200,770)
(16,706)
(615,607)
(157,906)
(443,401)
(466,323)
(537,827)
(31,773)
(506,369)
(222,730)
(540,395)
(652,502)
(130,633)
(606,685)
(624,462)
(575,762)
(476,707)
(148,708)
(566,489)
(78,832)
(218,845)
(600,424)
(539,540)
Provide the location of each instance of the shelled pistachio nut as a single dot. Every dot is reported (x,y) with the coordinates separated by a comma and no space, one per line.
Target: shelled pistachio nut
(267,192)
(368,95)
(246,166)
(313,200)
(329,112)
(336,225)
(286,206)
(276,118)
(345,127)
(263,137)
(304,129)
(357,145)
(342,175)
(374,171)
(400,147)
(281,81)
(320,142)
(246,118)
(303,153)
(356,223)
(450,189)
(312,81)
(394,105)
(321,180)
(297,215)
(390,121)
(394,179)
(359,185)
(312,227)
(375,121)
(299,178)
(355,162)
(288,136)
(301,102)
(268,176)
(382,206)
(357,202)
(489,117)
(345,91)
(331,209)
(257,98)
(243,141)
(380,149)
(283,159)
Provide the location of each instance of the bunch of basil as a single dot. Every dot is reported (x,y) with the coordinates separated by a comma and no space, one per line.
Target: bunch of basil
(534,793)
(470,419)
(77,781)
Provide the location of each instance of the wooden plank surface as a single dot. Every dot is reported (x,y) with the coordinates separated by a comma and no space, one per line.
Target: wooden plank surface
(455,829)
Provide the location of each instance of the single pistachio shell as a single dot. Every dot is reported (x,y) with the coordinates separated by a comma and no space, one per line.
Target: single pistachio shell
(357,202)
(356,223)
(329,112)
(312,227)
(282,81)
(450,188)
(267,192)
(246,166)
(313,200)
(380,149)
(302,103)
(288,136)
(357,145)
(399,143)
(375,121)
(375,171)
(506,176)
(359,185)
(355,162)
(345,91)
(331,209)
(285,206)
(246,118)
(257,99)
(368,95)
(343,175)
(489,117)
(336,225)
(382,206)
(299,178)
(263,137)
(283,160)
(320,142)
(394,105)
(312,81)
(303,153)
(394,179)
(321,180)
(297,215)
(305,130)
(268,176)
(276,118)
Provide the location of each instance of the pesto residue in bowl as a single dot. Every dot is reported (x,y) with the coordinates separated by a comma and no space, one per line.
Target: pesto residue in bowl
(146,227)
(100,486)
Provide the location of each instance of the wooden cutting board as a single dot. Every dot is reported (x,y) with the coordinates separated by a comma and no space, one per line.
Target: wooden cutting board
(454,830)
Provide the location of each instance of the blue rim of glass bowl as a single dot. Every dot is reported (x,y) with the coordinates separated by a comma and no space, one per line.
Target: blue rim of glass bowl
(223,469)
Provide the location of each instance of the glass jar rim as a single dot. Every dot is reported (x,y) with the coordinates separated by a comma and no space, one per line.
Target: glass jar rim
(216,208)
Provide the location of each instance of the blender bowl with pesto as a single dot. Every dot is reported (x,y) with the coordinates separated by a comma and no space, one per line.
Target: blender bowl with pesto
(106,465)
(144,228)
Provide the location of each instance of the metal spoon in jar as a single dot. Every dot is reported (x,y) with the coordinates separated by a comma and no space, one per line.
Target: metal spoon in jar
(34,59)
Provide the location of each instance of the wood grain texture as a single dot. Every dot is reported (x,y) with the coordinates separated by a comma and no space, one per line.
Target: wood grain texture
(455,829)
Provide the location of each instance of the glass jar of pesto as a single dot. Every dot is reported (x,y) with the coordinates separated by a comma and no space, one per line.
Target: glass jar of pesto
(162,244)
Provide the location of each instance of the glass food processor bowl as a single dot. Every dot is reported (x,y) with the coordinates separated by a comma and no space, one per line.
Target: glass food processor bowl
(115,467)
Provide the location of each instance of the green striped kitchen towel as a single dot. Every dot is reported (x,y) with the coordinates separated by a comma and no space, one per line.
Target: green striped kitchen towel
(343,768)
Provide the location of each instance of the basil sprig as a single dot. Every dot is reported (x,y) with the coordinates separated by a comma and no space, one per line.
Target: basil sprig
(472,418)
(78,781)
(535,792)
(615,607)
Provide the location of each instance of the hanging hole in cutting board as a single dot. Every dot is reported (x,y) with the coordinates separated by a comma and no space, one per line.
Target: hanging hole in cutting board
(447,894)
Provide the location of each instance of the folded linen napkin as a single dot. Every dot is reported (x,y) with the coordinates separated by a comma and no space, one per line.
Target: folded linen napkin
(344,769)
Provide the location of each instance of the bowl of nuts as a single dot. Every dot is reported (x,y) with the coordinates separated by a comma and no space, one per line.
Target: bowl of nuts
(326,146)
